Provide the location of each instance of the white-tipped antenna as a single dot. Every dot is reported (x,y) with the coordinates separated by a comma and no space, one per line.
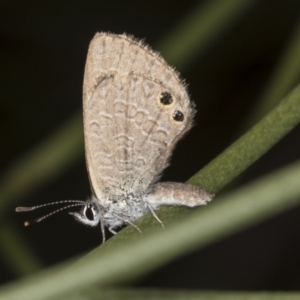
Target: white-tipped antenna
(30,208)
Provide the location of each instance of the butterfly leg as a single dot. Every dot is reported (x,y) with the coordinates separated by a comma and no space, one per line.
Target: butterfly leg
(111,230)
(128,222)
(155,216)
(102,231)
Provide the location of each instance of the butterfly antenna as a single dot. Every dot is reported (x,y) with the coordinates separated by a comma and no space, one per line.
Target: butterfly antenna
(29,208)
(27,223)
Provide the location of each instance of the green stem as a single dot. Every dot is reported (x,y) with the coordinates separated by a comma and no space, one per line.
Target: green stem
(124,257)
(251,146)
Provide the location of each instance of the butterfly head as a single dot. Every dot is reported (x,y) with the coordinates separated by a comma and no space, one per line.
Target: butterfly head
(91,213)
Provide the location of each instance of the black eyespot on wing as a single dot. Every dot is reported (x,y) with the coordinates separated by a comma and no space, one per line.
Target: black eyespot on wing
(89,214)
(178,116)
(165,98)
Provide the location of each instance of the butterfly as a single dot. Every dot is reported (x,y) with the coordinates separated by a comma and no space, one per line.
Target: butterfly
(135,110)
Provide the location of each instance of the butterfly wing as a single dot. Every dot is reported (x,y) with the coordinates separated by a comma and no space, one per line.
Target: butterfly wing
(135,110)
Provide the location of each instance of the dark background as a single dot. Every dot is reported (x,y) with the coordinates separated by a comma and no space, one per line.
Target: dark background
(43,46)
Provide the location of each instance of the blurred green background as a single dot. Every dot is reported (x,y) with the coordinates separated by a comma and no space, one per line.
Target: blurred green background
(43,48)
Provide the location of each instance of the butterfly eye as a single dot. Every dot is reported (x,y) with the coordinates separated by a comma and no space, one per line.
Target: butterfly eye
(89,213)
